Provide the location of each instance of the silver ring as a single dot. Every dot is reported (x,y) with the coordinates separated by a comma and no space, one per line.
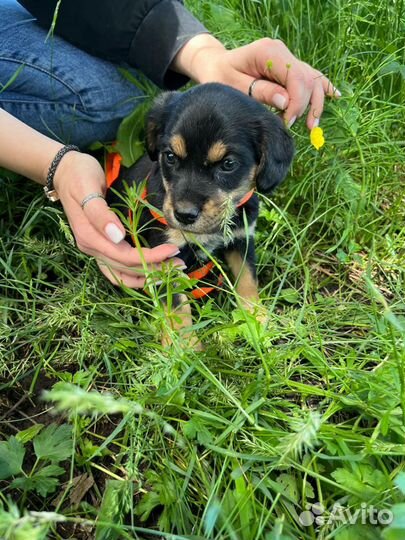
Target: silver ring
(251,87)
(90,197)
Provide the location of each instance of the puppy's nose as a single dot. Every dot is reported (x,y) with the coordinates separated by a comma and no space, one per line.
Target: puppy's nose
(186,214)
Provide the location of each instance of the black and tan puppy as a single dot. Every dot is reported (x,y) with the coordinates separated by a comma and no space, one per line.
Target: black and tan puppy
(208,148)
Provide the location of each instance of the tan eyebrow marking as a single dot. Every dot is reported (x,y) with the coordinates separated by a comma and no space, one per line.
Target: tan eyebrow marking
(178,145)
(217,151)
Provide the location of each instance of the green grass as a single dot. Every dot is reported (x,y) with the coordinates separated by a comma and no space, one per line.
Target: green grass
(236,441)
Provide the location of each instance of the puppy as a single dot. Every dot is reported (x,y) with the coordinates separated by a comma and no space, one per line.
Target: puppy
(209,148)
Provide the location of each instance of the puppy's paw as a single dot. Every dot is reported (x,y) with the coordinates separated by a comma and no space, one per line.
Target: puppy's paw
(187,340)
(256,309)
(180,322)
(260,313)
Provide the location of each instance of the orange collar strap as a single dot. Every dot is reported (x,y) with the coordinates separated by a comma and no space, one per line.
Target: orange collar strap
(245,198)
(201,273)
(112,168)
(155,215)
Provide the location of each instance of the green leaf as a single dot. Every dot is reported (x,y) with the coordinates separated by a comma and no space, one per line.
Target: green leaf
(162,493)
(196,428)
(170,396)
(289,486)
(290,295)
(348,188)
(83,377)
(12,454)
(43,481)
(366,481)
(147,504)
(46,481)
(131,135)
(393,67)
(54,443)
(28,434)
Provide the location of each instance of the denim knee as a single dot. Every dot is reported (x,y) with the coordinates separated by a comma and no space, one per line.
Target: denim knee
(55,87)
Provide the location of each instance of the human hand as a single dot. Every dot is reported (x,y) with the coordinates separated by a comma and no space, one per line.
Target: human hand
(97,230)
(282,80)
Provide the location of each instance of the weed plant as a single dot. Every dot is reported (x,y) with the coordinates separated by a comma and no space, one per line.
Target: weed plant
(237,441)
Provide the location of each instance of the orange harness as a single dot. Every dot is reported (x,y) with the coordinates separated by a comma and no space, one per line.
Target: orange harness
(113,167)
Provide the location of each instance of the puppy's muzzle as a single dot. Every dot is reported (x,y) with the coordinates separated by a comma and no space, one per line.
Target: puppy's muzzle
(186,213)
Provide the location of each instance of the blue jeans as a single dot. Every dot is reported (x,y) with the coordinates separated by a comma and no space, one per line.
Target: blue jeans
(58,89)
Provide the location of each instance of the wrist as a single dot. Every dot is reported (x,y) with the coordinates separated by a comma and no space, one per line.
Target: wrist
(66,163)
(48,157)
(49,188)
(76,174)
(196,55)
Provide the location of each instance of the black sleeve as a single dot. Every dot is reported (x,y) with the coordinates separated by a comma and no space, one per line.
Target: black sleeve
(147,34)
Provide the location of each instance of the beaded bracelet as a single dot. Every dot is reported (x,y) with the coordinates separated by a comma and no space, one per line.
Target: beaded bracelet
(49,189)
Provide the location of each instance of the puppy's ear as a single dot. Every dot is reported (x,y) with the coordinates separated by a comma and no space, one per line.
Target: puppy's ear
(156,121)
(277,152)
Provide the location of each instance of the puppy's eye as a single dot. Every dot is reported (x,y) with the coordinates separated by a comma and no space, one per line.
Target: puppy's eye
(228,165)
(170,158)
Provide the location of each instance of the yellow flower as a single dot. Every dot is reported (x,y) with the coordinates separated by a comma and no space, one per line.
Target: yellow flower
(317,138)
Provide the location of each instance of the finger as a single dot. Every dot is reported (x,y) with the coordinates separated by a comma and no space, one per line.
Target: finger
(141,270)
(270,93)
(91,242)
(161,254)
(300,89)
(104,220)
(118,278)
(271,58)
(317,103)
(328,88)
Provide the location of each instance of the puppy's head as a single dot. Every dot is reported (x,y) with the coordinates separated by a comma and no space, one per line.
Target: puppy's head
(214,144)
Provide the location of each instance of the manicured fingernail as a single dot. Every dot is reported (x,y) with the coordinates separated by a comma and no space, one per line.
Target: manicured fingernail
(174,254)
(291,122)
(279,101)
(182,267)
(114,233)
(316,123)
(337,92)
